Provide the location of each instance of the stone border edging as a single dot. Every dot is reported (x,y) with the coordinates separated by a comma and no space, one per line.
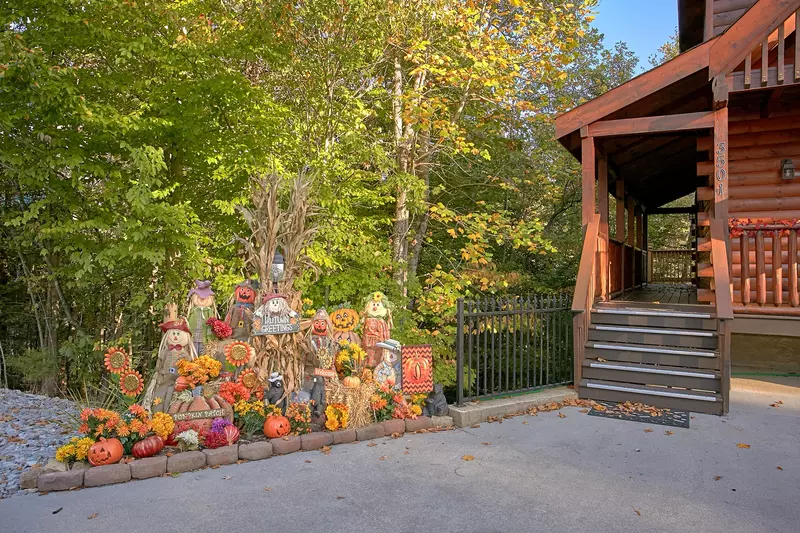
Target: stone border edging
(255,451)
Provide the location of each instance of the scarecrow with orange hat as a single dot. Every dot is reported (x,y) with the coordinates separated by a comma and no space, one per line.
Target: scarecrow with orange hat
(176,344)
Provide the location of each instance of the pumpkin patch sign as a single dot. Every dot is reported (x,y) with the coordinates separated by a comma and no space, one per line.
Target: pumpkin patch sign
(417,361)
(275,317)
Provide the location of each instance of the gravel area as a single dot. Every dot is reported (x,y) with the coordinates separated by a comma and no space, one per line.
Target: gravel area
(32,428)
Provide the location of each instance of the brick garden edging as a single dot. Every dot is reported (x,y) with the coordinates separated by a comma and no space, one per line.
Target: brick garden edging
(187,461)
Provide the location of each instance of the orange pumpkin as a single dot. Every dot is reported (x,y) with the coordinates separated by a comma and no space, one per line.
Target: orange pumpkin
(148,447)
(345,319)
(351,382)
(276,426)
(181,384)
(105,452)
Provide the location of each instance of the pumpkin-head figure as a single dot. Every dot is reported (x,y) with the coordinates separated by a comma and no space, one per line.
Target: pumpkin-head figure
(276,426)
(344,319)
(246,292)
(321,325)
(378,306)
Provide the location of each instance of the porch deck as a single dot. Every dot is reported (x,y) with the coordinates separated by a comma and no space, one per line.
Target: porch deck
(663,293)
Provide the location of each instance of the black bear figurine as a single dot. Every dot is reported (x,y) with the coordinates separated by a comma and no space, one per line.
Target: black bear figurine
(275,394)
(436,403)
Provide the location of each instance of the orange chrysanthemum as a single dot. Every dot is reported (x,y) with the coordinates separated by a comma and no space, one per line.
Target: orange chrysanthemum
(239,353)
(248,379)
(123,430)
(116,360)
(131,383)
(138,411)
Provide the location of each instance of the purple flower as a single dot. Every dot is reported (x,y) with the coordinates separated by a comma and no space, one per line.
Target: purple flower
(219,424)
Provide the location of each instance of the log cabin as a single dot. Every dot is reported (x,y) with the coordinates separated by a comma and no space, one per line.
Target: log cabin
(719,123)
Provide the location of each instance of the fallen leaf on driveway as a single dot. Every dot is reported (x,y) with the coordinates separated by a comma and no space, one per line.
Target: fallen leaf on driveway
(383,457)
(57,510)
(475,426)
(486,443)
(635,510)
(667,432)
(717,478)
(396,435)
(267,489)
(308,460)
(93,515)
(326,450)
(340,497)
(405,452)
(778,468)
(215,467)
(562,415)
(468,457)
(648,430)
(371,444)
(743,445)
(226,478)
(584,411)
(525,423)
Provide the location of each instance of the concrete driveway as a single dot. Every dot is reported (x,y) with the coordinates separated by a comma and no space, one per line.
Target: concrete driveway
(543,473)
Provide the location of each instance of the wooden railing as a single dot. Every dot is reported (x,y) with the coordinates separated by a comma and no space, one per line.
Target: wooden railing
(670,266)
(583,298)
(758,73)
(767,270)
(626,266)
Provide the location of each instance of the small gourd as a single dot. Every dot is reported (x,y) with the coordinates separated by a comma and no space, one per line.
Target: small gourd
(148,447)
(351,382)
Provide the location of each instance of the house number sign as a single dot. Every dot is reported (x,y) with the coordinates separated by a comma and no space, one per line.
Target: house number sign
(720,172)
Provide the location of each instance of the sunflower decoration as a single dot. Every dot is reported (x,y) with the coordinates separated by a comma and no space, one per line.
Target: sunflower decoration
(239,353)
(249,379)
(131,383)
(116,360)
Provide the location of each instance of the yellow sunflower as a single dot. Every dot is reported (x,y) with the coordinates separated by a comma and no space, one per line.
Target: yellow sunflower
(116,360)
(239,353)
(249,379)
(131,383)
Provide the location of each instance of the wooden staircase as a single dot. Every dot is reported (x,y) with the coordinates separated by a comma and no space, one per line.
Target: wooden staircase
(659,354)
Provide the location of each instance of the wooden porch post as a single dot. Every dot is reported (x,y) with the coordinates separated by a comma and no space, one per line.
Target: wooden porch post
(640,245)
(620,228)
(588,208)
(646,248)
(581,320)
(602,201)
(719,183)
(632,238)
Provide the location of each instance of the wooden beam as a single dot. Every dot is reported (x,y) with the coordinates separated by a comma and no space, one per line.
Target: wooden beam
(731,48)
(602,205)
(688,210)
(631,221)
(708,22)
(620,217)
(643,85)
(720,177)
(588,156)
(659,124)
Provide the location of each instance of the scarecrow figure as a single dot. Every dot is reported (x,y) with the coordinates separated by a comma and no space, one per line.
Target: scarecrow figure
(320,339)
(377,326)
(202,306)
(240,313)
(345,320)
(176,344)
(388,370)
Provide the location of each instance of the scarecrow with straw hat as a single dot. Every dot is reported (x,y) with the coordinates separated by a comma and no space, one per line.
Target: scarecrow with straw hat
(176,344)
(202,306)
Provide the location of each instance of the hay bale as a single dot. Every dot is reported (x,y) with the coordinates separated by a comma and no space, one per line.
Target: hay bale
(356,400)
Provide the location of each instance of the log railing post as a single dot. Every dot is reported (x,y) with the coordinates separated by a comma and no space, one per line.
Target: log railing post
(777,269)
(744,248)
(794,297)
(761,274)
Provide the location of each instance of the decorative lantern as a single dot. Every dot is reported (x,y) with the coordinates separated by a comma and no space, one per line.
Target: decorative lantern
(787,169)
(277,269)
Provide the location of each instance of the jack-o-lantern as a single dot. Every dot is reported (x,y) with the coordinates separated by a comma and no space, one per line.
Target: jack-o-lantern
(345,319)
(276,426)
(105,452)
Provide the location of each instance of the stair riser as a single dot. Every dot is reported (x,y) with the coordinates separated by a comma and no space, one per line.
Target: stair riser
(655,321)
(656,339)
(697,406)
(690,308)
(648,378)
(687,361)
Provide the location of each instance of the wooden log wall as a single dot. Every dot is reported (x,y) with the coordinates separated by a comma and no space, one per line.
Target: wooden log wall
(726,12)
(758,193)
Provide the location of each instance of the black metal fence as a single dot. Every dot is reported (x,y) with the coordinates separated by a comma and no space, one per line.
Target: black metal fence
(514,344)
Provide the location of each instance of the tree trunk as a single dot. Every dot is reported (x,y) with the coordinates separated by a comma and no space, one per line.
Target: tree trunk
(400,232)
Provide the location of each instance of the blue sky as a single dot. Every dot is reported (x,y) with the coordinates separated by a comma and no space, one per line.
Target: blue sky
(643,24)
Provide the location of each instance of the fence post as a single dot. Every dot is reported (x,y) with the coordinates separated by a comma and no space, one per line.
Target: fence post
(460,351)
